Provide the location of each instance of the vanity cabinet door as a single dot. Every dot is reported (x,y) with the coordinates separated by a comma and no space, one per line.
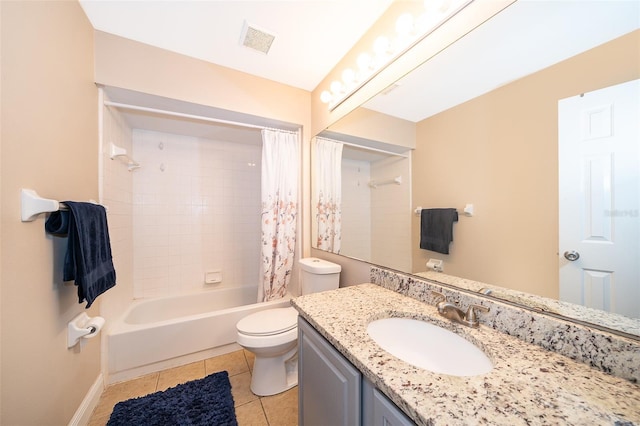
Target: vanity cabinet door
(328,385)
(378,410)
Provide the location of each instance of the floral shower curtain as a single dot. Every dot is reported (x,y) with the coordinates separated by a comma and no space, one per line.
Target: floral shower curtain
(328,186)
(280,174)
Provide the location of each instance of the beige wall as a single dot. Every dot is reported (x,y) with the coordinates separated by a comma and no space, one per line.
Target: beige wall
(132,65)
(499,152)
(49,144)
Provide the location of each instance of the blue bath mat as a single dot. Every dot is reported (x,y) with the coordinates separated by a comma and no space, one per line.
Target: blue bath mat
(205,401)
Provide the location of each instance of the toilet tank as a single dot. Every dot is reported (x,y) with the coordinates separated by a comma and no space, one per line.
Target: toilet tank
(318,275)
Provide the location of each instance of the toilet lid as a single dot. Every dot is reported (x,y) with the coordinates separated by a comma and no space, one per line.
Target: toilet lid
(268,322)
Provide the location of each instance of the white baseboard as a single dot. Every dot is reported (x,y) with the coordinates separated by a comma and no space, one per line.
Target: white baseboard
(89,403)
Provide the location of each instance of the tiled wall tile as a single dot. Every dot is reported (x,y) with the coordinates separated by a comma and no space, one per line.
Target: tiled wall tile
(196,207)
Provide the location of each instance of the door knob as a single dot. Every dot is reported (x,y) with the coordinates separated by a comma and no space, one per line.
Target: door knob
(571,255)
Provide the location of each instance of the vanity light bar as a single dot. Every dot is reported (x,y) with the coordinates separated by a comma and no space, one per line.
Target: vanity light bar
(409,31)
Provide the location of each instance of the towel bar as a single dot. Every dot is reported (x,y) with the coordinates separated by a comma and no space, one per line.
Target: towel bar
(397,180)
(32,205)
(467,211)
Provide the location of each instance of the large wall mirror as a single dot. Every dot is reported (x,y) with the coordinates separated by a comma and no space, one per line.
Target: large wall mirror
(488,118)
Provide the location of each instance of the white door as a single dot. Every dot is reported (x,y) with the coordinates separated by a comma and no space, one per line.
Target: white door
(599,162)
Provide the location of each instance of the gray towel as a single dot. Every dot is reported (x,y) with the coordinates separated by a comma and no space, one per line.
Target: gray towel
(436,229)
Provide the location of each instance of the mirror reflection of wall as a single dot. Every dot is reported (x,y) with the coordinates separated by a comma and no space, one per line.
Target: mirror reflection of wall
(504,159)
(356,206)
(374,207)
(498,147)
(390,207)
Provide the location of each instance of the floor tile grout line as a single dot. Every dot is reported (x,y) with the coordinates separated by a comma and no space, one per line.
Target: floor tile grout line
(264,413)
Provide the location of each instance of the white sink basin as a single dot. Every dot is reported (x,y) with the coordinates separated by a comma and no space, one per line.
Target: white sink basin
(428,346)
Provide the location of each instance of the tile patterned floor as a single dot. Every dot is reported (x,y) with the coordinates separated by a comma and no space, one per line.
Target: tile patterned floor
(251,410)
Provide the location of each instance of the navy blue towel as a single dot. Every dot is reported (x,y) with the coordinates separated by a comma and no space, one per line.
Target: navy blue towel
(436,229)
(88,259)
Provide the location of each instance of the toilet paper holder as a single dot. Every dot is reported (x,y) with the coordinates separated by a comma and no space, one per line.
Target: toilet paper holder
(83,327)
(435,265)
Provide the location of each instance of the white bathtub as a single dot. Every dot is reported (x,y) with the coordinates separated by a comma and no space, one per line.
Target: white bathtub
(153,332)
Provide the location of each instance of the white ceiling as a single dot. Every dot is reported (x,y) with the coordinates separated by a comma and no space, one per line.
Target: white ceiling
(311,35)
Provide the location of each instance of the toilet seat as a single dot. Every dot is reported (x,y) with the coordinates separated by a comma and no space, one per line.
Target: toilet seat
(269,322)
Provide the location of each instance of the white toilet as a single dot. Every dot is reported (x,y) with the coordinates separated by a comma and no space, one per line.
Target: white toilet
(272,335)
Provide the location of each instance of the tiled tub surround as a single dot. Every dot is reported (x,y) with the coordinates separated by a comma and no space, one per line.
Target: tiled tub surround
(528,384)
(611,353)
(196,208)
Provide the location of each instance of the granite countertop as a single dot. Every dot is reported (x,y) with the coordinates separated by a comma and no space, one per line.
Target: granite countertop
(528,384)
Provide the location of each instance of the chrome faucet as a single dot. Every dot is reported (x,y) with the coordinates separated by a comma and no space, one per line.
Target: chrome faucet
(454,313)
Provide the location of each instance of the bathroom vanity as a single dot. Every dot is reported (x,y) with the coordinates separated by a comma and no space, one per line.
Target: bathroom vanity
(333,391)
(347,378)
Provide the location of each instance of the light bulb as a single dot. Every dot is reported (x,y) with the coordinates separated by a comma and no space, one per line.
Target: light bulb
(325,97)
(349,77)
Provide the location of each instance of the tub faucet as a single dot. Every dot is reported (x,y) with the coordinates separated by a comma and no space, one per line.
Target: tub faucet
(451,311)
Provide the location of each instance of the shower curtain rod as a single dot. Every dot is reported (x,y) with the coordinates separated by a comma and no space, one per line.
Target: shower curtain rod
(192,116)
(367,148)
(383,151)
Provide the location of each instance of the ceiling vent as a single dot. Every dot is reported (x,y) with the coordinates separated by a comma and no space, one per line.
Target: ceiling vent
(256,38)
